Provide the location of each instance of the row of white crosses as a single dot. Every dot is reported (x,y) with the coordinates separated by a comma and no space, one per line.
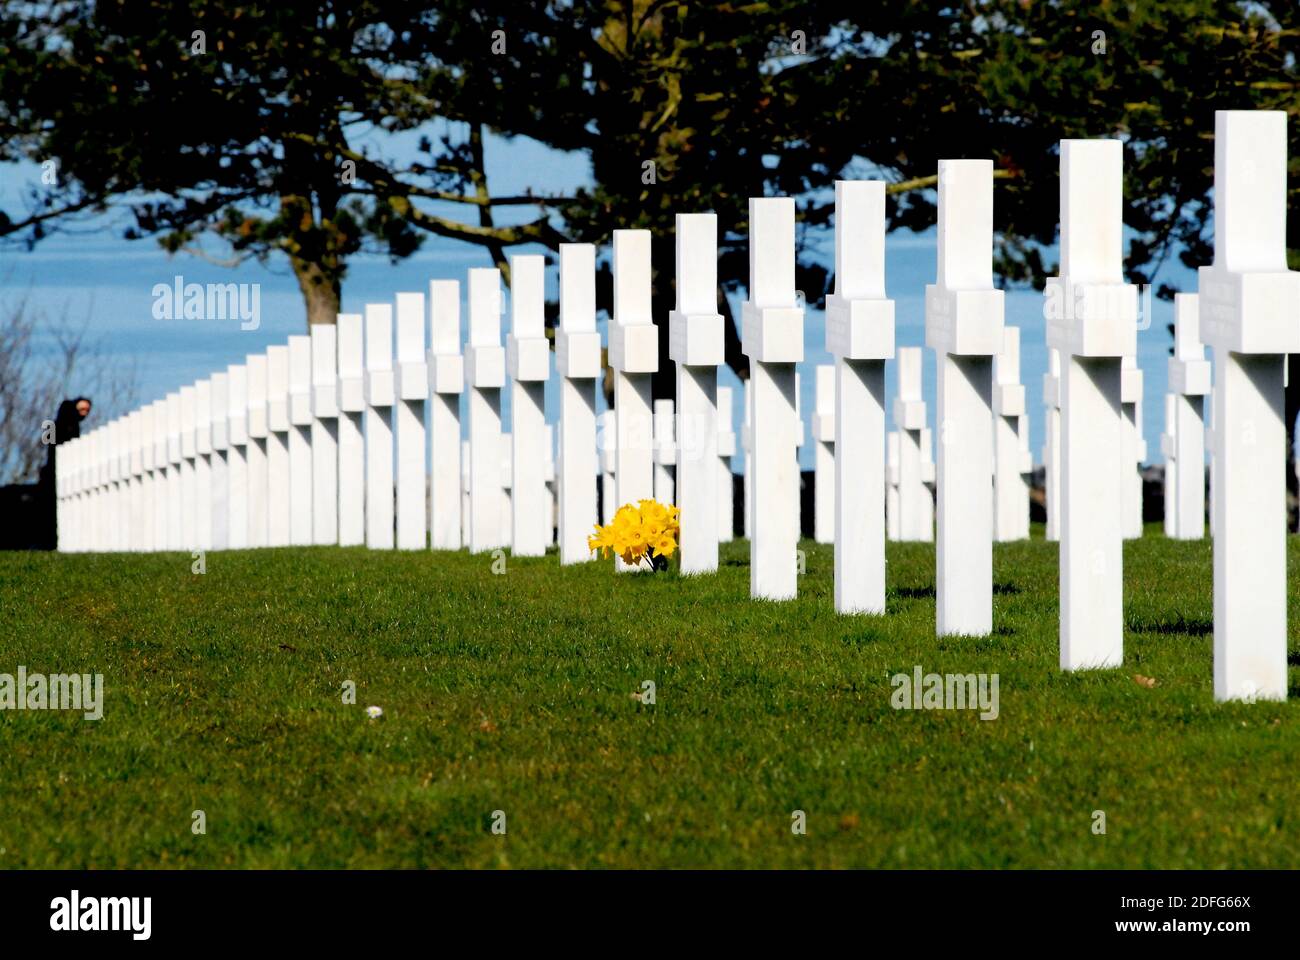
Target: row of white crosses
(909,510)
(297,445)
(1247,302)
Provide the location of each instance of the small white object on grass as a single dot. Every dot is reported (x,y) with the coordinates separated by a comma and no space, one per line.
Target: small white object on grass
(374,713)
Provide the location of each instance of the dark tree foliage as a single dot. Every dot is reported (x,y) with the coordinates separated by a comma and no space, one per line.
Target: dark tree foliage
(246,141)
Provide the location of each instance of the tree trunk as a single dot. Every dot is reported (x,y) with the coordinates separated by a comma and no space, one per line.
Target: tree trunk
(320,291)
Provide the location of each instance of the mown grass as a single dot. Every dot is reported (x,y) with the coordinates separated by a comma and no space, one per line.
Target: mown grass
(514,692)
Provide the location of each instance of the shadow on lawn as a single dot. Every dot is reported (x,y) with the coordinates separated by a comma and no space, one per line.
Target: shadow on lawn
(927,592)
(1179,625)
(911,593)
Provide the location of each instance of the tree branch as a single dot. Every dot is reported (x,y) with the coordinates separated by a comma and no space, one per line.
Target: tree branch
(922,183)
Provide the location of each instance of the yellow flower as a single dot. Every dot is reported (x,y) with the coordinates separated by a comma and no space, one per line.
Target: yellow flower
(648,527)
(600,541)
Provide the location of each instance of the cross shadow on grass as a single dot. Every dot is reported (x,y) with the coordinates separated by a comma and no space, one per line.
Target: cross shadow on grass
(911,593)
(1189,627)
(927,592)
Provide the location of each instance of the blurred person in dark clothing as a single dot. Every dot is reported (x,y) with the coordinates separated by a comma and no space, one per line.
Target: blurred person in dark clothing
(67,426)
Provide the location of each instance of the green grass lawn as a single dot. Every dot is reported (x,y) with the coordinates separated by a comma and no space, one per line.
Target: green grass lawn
(514,692)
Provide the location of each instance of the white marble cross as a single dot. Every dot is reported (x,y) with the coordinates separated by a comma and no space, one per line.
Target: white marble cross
(381,395)
(1189,383)
(95,485)
(800,436)
(1247,306)
(726,480)
(633,356)
(507,478)
(695,343)
(85,537)
(175,532)
(113,468)
(135,499)
(528,362)
(108,485)
(90,488)
(665,441)
(219,425)
(300,451)
(963,325)
(324,434)
(151,487)
(860,335)
(447,372)
(915,501)
(189,486)
(125,532)
(464,492)
(607,433)
(351,399)
(1169,447)
(82,536)
(112,487)
(237,519)
(1135,447)
(95,491)
(411,393)
(823,432)
(88,471)
(108,525)
(202,465)
(121,429)
(485,371)
(772,338)
(1052,443)
(258,450)
(1092,319)
(78,533)
(577,360)
(120,517)
(1010,484)
(552,495)
(148,488)
(279,487)
(747,457)
(116,495)
(893,452)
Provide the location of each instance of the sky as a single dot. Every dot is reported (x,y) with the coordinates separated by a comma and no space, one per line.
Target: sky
(94,274)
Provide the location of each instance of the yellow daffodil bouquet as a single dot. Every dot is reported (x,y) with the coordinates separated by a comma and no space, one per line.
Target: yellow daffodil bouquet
(645,533)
